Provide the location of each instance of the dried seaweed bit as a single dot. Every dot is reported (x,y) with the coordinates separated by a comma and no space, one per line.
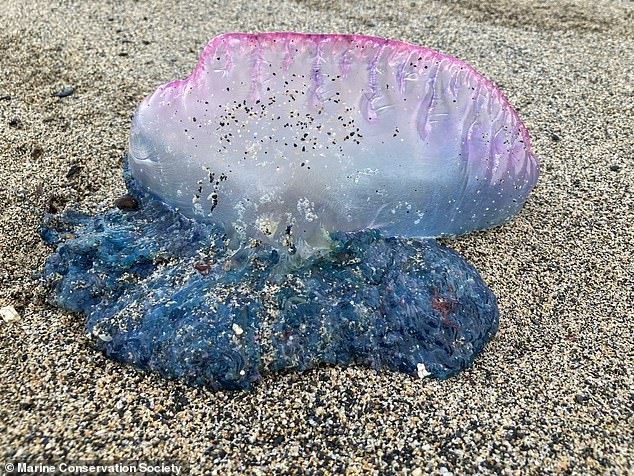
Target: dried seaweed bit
(202,267)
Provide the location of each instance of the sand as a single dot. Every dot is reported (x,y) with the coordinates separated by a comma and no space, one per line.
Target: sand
(551,394)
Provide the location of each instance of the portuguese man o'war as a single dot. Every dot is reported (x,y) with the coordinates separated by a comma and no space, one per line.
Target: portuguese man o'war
(282,205)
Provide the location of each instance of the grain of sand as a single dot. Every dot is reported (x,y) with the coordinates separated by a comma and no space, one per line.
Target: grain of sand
(551,394)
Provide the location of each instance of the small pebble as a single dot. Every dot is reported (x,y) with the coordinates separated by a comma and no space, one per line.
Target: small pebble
(55,202)
(64,93)
(127,203)
(9,314)
(37,152)
(422,371)
(73,170)
(581,398)
(615,168)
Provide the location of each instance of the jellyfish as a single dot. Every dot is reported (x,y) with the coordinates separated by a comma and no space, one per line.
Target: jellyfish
(284,201)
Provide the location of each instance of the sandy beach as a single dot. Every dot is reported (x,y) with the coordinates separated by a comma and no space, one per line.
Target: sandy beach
(550,394)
